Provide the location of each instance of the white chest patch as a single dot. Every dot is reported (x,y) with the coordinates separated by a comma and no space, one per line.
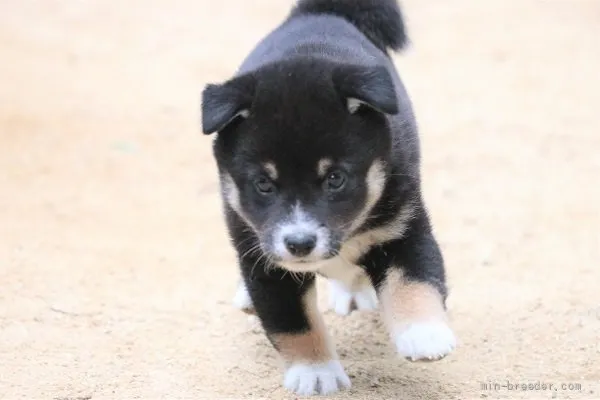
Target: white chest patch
(341,271)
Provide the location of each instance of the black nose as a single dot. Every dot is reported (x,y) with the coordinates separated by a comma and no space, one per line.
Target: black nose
(300,245)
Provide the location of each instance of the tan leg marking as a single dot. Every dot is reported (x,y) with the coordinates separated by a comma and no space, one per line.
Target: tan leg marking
(313,346)
(404,301)
(416,319)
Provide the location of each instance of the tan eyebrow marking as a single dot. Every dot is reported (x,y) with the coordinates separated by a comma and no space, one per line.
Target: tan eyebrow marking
(323,165)
(271,170)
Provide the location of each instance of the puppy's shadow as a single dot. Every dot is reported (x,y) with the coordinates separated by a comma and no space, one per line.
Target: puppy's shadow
(376,370)
(374,380)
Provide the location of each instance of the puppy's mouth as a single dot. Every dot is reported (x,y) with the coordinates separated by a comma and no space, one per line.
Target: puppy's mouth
(306,260)
(304,264)
(302,260)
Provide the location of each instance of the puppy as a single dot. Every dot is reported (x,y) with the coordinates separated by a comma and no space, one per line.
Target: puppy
(318,158)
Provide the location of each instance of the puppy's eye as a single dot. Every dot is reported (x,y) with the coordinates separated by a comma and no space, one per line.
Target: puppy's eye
(264,185)
(335,181)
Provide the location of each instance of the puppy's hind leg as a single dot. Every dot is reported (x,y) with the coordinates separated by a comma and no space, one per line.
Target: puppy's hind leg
(242,300)
(359,294)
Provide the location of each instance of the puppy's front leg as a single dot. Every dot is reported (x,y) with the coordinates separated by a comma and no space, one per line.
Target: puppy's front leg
(415,315)
(410,280)
(288,311)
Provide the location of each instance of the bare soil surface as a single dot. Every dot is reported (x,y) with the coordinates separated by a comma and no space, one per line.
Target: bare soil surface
(116,273)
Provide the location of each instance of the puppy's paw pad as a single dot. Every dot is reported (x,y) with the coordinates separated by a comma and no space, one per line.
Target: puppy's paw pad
(343,301)
(242,299)
(316,379)
(425,341)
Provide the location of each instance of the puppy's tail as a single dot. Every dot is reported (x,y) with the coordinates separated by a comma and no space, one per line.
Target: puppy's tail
(379,20)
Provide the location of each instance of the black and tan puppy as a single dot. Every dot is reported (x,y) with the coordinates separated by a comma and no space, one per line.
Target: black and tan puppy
(318,155)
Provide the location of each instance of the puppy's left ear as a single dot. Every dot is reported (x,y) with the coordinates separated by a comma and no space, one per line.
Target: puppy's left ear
(224,103)
(366,86)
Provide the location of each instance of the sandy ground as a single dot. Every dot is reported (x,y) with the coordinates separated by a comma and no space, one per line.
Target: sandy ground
(115,269)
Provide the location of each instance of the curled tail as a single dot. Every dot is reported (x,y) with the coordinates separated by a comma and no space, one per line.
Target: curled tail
(379,20)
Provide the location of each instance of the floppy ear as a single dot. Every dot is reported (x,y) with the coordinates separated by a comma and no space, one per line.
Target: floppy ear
(369,86)
(223,103)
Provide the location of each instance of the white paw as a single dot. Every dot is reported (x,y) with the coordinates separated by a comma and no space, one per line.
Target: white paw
(242,298)
(343,301)
(425,341)
(311,379)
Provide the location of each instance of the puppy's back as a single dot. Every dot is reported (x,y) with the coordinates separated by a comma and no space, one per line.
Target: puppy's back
(347,31)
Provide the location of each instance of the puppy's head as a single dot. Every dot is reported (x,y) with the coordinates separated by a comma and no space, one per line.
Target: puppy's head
(302,148)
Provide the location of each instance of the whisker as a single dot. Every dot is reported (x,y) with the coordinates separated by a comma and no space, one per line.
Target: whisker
(258,260)
(246,239)
(296,278)
(285,272)
(251,251)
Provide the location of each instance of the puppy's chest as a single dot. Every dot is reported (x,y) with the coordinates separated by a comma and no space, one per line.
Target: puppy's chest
(343,268)
(341,271)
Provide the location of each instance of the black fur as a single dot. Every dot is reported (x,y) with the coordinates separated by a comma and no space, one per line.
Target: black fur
(222,102)
(417,252)
(379,20)
(288,105)
(374,86)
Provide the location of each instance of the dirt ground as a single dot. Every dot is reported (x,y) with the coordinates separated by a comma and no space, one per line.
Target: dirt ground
(116,274)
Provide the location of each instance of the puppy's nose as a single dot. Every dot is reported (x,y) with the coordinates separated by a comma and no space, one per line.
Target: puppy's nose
(300,245)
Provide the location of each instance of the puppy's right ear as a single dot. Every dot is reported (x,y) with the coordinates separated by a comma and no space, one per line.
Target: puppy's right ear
(224,103)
